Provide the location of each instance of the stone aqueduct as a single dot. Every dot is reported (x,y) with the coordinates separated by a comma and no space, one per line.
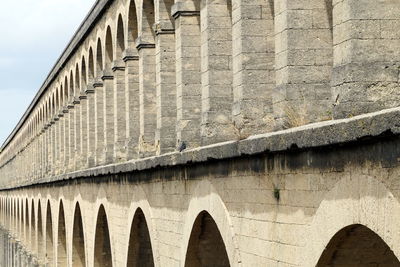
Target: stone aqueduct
(212,133)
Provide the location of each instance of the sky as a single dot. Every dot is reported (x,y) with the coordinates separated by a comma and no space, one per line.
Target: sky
(33,34)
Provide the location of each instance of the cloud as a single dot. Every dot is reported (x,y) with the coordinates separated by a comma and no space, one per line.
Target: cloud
(33,34)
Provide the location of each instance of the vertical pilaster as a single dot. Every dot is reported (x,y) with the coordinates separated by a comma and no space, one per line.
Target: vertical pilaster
(216,72)
(77,132)
(99,122)
(147,97)
(71,143)
(118,69)
(132,105)
(166,87)
(61,137)
(253,66)
(91,125)
(366,43)
(108,106)
(303,47)
(83,131)
(66,139)
(188,67)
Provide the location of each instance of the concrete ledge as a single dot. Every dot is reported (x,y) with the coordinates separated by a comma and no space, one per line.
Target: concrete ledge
(367,126)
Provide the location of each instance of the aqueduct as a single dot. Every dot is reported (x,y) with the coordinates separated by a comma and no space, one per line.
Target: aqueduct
(212,133)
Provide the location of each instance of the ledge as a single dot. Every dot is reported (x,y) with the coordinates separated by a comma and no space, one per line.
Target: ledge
(321,134)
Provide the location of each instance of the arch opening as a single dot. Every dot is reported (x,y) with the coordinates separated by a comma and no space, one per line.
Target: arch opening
(83,74)
(32,228)
(102,246)
(357,246)
(206,246)
(120,38)
(140,252)
(78,243)
(49,235)
(40,237)
(109,48)
(62,243)
(99,58)
(132,23)
(91,64)
(26,222)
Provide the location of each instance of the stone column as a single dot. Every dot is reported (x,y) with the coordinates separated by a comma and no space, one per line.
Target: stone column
(147,97)
(108,93)
(61,139)
(253,66)
(99,122)
(77,132)
(66,139)
(166,87)
(366,42)
(303,47)
(216,72)
(83,131)
(118,68)
(46,154)
(54,145)
(71,143)
(188,69)
(91,126)
(131,59)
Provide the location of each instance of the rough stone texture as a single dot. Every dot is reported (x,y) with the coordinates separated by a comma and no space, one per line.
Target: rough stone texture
(215,115)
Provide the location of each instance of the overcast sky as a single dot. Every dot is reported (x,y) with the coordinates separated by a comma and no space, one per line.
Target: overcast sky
(33,33)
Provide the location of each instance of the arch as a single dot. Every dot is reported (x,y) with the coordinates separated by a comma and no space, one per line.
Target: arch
(40,236)
(207,199)
(78,240)
(99,58)
(109,48)
(102,245)
(66,91)
(83,74)
(132,23)
(71,86)
(148,19)
(91,64)
(358,200)
(206,247)
(17,217)
(77,80)
(32,229)
(62,241)
(140,251)
(120,38)
(357,245)
(49,236)
(26,222)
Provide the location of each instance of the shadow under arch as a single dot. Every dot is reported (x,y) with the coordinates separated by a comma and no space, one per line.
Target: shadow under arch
(354,200)
(140,252)
(102,245)
(206,247)
(40,236)
(62,242)
(78,240)
(357,245)
(49,236)
(206,199)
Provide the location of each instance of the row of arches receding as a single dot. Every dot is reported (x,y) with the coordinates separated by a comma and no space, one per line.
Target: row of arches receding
(37,232)
(354,245)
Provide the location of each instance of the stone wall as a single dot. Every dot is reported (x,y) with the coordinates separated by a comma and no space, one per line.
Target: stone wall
(293,208)
(145,79)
